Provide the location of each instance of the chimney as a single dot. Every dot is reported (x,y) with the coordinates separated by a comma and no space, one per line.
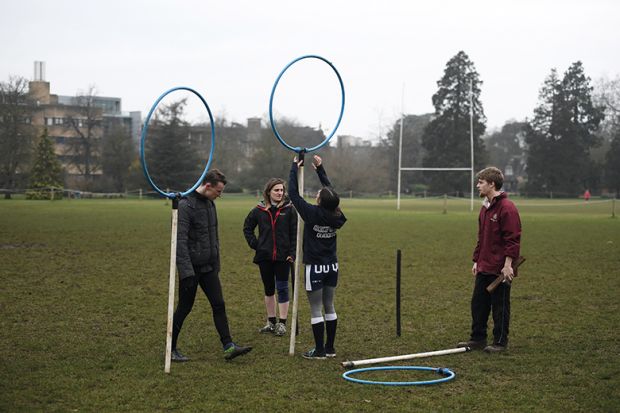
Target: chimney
(39,89)
(39,71)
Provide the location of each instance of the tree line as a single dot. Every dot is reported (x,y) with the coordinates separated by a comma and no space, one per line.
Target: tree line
(569,144)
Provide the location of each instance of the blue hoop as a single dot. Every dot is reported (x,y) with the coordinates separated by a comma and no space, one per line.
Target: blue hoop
(143,138)
(273,90)
(443,371)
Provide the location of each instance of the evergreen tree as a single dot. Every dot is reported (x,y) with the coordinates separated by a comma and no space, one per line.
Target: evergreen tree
(46,172)
(174,163)
(446,139)
(562,133)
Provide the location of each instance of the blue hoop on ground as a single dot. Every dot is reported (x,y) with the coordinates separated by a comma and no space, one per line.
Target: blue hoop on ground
(273,91)
(443,371)
(172,195)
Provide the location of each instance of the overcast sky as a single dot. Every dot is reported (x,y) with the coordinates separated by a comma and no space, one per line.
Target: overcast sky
(231,51)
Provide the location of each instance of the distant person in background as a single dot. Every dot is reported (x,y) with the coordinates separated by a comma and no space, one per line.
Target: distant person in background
(198,262)
(276,220)
(499,243)
(321,269)
(586,195)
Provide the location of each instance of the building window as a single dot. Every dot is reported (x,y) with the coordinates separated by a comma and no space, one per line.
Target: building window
(49,121)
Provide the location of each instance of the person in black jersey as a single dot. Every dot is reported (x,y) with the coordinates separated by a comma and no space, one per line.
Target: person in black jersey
(320,256)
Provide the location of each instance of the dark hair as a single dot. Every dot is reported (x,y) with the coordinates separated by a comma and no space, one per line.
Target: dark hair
(213,177)
(269,186)
(492,174)
(329,199)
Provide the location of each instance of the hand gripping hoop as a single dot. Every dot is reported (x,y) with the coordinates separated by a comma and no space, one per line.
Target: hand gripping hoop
(273,91)
(173,195)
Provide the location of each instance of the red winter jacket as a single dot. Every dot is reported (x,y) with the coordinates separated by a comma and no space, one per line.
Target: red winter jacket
(499,235)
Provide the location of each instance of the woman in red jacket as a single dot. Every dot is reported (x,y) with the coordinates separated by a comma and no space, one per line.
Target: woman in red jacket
(276,220)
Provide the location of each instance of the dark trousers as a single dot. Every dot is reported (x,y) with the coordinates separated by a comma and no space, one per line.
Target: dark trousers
(210,284)
(482,303)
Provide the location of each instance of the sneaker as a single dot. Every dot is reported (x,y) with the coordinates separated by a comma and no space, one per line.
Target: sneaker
(473,344)
(330,352)
(269,328)
(280,329)
(314,355)
(494,348)
(178,357)
(236,351)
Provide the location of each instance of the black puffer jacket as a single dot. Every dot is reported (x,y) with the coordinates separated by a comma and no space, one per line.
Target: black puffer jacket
(197,238)
(277,232)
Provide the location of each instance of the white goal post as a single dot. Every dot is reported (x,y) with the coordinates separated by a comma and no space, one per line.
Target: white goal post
(471,142)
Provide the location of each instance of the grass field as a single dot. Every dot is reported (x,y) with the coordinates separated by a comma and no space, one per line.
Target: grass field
(84,293)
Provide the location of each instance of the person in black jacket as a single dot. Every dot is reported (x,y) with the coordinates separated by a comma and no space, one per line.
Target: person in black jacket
(198,262)
(275,249)
(321,269)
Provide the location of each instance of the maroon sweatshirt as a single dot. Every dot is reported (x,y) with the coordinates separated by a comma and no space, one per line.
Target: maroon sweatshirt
(499,234)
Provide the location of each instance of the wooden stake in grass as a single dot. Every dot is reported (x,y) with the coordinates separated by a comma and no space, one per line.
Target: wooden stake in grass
(298,261)
(171,282)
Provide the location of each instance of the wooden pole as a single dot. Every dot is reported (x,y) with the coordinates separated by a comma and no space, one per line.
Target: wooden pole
(405,357)
(171,281)
(298,264)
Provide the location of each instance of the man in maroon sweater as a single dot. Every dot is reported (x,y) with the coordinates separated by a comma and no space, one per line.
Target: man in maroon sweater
(499,237)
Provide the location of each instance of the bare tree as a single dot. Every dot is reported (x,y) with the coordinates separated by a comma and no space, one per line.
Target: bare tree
(16,130)
(118,152)
(85,123)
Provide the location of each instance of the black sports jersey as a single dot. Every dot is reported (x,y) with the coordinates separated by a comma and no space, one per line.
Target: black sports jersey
(320,224)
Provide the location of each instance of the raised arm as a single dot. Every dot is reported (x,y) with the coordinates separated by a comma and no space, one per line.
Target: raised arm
(320,170)
(304,208)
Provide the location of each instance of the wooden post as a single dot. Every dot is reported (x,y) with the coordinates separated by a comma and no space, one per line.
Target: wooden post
(445,203)
(405,357)
(298,264)
(171,281)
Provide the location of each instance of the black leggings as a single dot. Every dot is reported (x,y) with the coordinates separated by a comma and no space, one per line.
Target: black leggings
(272,273)
(210,284)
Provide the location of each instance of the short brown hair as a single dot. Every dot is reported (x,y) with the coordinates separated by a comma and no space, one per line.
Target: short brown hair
(492,174)
(213,177)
